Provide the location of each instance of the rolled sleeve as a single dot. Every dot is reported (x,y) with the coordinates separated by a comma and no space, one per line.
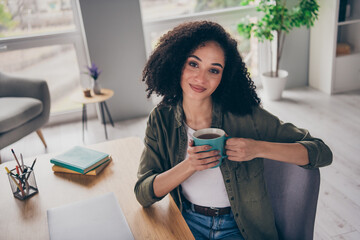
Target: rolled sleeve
(273,130)
(144,191)
(319,153)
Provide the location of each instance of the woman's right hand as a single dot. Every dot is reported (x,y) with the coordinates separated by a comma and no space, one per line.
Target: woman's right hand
(200,160)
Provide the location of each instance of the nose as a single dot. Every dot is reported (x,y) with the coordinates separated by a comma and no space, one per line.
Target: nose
(200,76)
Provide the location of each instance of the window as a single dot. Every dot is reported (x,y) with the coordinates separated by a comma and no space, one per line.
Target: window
(42,39)
(159,16)
(57,64)
(30,17)
(160,9)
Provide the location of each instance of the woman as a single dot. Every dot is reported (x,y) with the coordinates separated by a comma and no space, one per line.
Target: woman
(198,70)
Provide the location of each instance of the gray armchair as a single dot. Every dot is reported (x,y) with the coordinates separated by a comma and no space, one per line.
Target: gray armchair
(294,194)
(24,108)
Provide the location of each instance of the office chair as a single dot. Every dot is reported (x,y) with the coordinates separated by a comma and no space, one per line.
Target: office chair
(293,192)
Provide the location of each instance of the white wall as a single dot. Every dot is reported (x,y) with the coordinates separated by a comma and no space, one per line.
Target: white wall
(115,41)
(295,58)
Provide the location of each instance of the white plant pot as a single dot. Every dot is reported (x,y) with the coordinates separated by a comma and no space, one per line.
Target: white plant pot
(274,86)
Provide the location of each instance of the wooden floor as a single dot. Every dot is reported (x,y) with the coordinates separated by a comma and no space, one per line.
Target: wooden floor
(335,119)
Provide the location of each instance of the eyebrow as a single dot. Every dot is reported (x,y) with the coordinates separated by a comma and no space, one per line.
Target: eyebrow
(214,64)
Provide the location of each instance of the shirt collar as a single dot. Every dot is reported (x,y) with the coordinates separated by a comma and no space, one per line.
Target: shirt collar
(216,115)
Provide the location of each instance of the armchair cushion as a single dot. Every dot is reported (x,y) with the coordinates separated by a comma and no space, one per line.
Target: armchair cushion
(34,113)
(16,111)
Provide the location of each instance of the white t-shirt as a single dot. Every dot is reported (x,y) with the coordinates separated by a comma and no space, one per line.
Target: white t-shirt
(205,188)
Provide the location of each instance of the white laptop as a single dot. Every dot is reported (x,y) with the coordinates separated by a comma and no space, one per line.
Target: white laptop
(96,218)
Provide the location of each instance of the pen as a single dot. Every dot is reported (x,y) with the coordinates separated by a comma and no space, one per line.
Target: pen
(20,182)
(22,178)
(12,150)
(27,187)
(22,162)
(31,168)
(33,164)
(24,172)
(8,171)
(18,175)
(26,182)
(17,171)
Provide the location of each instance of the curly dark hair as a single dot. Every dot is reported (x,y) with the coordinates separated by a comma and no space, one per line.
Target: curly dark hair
(162,73)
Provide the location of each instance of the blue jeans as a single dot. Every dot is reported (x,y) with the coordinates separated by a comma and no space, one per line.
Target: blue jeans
(206,227)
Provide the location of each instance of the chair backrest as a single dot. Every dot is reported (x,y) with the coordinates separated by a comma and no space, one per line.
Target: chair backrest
(294,194)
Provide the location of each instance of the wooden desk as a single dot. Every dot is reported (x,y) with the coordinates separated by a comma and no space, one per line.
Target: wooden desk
(101,98)
(28,220)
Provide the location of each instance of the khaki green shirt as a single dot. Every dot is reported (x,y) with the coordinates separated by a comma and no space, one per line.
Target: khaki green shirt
(166,144)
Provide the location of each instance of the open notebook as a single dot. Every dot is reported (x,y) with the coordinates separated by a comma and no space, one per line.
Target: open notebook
(96,218)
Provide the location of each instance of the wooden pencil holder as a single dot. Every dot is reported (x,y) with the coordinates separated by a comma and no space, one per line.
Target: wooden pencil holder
(23,185)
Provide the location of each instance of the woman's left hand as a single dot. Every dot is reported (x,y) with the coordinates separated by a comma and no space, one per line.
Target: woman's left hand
(241,149)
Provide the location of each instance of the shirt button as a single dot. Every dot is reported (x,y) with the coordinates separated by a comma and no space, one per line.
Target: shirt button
(236,215)
(232,198)
(228,180)
(243,230)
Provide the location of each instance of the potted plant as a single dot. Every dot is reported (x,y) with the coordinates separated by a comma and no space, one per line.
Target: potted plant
(276,22)
(94,73)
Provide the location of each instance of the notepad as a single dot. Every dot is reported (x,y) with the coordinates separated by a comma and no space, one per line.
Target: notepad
(96,218)
(80,159)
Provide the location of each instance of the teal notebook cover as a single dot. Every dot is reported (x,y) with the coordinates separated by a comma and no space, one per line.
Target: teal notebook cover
(80,159)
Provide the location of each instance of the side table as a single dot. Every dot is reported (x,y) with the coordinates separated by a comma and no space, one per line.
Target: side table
(105,95)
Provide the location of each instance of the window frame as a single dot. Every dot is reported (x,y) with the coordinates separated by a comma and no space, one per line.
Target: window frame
(75,37)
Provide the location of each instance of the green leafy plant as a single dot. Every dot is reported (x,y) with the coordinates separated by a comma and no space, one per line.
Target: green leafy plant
(277,20)
(5,18)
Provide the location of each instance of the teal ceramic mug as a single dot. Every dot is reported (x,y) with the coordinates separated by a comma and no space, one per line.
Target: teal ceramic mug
(214,137)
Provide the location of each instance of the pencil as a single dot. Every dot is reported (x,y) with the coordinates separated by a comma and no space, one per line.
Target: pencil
(20,182)
(8,171)
(12,150)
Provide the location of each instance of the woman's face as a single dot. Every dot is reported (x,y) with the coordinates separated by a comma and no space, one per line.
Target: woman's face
(203,71)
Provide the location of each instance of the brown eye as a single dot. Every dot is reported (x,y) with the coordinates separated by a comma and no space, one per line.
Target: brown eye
(193,64)
(214,71)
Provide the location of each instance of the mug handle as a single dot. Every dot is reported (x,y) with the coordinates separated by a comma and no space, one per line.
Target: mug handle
(226,138)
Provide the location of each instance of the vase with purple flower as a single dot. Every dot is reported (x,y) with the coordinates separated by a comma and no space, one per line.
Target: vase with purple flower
(94,73)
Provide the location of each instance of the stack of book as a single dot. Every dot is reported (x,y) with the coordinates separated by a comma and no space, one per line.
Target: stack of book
(81,160)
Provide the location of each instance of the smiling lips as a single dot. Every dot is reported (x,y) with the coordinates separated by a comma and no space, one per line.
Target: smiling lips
(197,88)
